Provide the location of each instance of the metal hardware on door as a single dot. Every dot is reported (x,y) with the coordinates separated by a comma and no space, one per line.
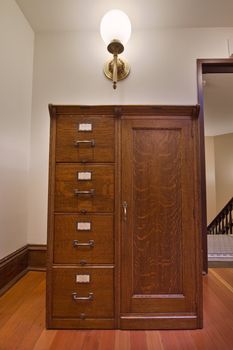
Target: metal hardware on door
(85,142)
(90,192)
(90,243)
(125,206)
(76,297)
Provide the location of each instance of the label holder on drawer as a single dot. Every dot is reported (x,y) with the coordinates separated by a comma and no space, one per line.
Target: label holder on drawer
(83,278)
(85,127)
(84,175)
(83,226)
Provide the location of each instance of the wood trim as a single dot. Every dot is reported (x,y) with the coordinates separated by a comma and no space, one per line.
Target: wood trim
(202,168)
(117,232)
(37,257)
(50,220)
(12,268)
(126,110)
(31,257)
(205,66)
(221,264)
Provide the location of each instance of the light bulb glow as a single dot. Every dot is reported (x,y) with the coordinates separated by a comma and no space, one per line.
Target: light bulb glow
(115,24)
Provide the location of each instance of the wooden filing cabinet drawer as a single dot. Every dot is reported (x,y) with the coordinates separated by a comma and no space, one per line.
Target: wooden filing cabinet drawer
(83,239)
(74,297)
(95,194)
(74,131)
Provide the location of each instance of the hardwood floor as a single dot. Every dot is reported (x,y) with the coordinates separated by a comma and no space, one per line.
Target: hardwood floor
(22,322)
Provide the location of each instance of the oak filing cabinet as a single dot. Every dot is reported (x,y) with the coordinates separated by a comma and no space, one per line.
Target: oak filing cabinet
(124,242)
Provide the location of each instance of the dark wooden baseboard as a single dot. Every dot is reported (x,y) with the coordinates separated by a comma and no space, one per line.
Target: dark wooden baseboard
(15,265)
(213,264)
(37,257)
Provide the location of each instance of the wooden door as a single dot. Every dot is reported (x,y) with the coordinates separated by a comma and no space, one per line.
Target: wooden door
(159,246)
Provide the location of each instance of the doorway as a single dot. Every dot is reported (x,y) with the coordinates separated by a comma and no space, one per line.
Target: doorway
(207,68)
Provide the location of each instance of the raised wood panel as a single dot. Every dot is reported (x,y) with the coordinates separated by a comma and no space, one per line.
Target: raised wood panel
(159,245)
(101,232)
(67,182)
(102,133)
(101,285)
(157,202)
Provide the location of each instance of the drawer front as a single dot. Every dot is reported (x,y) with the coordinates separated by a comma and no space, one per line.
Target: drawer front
(82,292)
(84,239)
(78,195)
(82,138)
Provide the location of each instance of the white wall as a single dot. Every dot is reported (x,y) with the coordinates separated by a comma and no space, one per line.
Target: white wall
(210,178)
(219,172)
(68,70)
(223,145)
(16,66)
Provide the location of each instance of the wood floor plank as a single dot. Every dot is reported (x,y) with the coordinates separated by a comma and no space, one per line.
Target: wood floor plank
(22,322)
(224,278)
(24,327)
(169,340)
(45,340)
(91,340)
(12,300)
(122,341)
(69,340)
(153,340)
(227,274)
(138,340)
(107,340)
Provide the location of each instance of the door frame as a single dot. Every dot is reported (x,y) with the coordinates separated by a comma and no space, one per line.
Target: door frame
(205,66)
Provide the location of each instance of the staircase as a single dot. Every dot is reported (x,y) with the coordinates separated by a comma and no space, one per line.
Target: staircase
(220,235)
(222,223)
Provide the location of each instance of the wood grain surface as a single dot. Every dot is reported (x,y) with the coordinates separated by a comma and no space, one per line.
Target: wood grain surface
(22,322)
(160,285)
(66,232)
(157,230)
(68,133)
(100,285)
(146,156)
(67,182)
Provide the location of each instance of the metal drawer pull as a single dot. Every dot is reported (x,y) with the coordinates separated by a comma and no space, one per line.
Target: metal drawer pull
(90,243)
(79,142)
(75,296)
(91,192)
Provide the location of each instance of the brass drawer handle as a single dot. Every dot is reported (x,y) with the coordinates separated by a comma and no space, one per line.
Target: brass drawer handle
(76,297)
(125,206)
(85,142)
(90,243)
(91,192)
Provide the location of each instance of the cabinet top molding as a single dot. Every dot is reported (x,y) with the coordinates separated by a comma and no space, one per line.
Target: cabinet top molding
(126,110)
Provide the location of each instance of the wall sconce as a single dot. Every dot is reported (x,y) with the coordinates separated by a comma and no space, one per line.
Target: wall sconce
(115,29)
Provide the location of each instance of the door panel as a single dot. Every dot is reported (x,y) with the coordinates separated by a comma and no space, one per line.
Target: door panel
(158,233)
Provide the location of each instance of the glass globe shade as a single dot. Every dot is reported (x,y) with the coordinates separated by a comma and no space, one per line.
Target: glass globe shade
(115,24)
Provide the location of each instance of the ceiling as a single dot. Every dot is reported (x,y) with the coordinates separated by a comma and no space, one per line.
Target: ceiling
(69,15)
(218,104)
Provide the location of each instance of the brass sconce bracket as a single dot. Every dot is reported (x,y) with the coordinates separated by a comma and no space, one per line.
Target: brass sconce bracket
(117,68)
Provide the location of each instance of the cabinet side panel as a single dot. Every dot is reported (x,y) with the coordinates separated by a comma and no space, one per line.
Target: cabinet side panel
(50,222)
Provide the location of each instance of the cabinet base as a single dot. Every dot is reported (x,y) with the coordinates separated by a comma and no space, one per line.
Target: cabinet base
(130,322)
(58,323)
(159,322)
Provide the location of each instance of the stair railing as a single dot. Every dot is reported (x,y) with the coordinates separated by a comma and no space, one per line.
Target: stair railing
(223,222)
